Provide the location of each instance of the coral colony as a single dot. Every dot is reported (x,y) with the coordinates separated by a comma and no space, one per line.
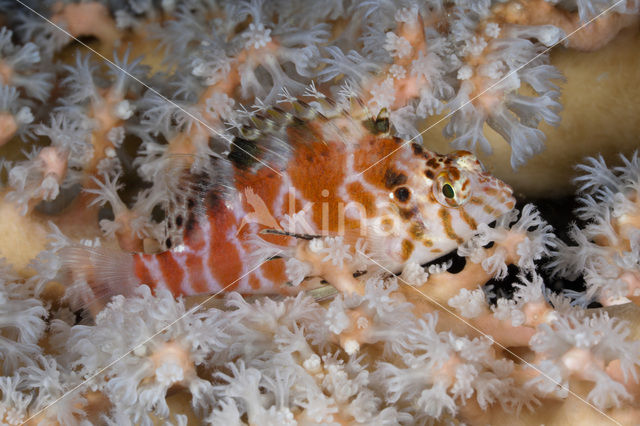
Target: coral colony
(270,153)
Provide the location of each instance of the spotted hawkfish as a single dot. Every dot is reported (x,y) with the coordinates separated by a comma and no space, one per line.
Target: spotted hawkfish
(331,174)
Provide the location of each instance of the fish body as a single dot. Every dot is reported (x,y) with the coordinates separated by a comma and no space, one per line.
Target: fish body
(341,177)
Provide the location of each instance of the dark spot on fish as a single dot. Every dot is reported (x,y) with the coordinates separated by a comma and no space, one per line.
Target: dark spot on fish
(407,249)
(387,224)
(244,153)
(407,214)
(179,221)
(168,243)
(402,194)
(393,178)
(158,214)
(417,149)
(213,199)
(191,223)
(454,173)
(429,173)
(433,163)
(417,230)
(191,203)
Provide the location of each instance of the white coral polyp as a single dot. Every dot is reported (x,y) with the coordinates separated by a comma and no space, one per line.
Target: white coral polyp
(397,71)
(219,105)
(470,304)
(383,95)
(162,357)
(584,346)
(124,110)
(507,310)
(605,251)
(435,401)
(169,373)
(397,45)
(337,320)
(336,251)
(414,274)
(257,36)
(297,270)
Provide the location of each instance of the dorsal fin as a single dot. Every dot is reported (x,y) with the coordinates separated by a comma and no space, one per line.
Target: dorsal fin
(269,137)
(264,140)
(272,133)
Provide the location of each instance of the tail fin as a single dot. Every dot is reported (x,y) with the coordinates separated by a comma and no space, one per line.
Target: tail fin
(97,274)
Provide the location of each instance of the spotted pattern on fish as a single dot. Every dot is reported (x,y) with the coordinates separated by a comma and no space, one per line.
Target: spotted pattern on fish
(412,205)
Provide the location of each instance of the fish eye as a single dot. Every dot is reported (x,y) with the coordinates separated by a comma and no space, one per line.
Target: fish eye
(447,191)
(451,189)
(402,194)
